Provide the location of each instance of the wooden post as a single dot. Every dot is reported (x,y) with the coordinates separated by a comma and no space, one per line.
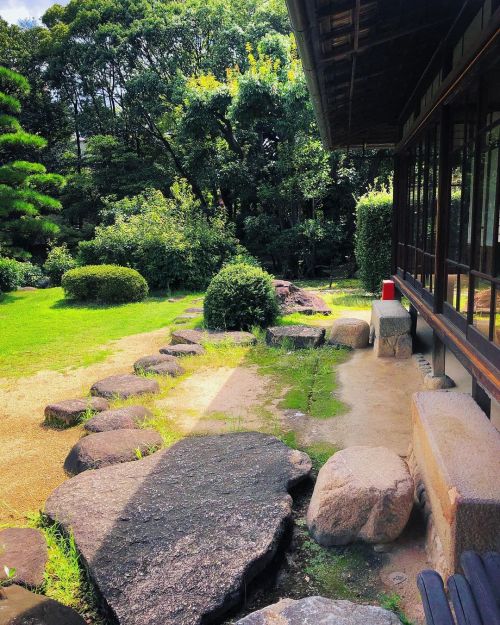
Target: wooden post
(414,317)
(481,398)
(443,206)
(438,356)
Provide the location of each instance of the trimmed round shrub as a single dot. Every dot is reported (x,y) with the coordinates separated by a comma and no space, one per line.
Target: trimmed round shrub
(59,260)
(239,297)
(373,239)
(10,274)
(110,284)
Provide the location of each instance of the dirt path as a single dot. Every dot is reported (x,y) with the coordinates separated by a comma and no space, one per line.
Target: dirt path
(31,455)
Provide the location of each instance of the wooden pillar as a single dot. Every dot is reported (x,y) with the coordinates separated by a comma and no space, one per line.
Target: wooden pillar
(414,317)
(438,355)
(443,208)
(481,397)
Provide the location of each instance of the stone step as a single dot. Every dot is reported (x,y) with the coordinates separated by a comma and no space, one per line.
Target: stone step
(457,455)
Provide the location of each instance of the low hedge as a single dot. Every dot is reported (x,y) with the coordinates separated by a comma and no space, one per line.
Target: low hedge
(239,297)
(110,284)
(10,274)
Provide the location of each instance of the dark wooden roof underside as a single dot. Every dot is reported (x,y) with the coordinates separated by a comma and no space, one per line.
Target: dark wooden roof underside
(368,56)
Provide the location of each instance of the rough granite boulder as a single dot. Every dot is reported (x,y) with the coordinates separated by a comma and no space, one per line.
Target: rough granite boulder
(127,418)
(293,299)
(176,538)
(183,349)
(25,550)
(115,446)
(124,386)
(70,411)
(198,337)
(362,493)
(319,611)
(350,332)
(296,336)
(160,364)
(19,606)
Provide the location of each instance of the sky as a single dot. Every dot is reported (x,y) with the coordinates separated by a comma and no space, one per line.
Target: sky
(14,10)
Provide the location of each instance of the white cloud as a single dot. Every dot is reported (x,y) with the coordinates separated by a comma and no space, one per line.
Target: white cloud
(14,10)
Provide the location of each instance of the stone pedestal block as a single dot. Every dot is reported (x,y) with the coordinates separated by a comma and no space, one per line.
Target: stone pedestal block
(391,329)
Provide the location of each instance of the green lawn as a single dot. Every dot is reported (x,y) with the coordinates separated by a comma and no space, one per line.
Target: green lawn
(41,330)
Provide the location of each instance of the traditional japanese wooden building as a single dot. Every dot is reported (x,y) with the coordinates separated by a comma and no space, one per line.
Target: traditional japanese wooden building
(422,77)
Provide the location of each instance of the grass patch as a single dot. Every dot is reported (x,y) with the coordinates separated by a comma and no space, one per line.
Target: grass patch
(307,374)
(392,602)
(41,330)
(65,579)
(320,453)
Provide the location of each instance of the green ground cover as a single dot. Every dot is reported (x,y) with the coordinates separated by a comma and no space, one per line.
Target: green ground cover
(41,330)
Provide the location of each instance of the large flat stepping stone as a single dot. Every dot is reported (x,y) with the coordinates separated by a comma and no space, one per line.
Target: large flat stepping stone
(19,606)
(127,418)
(295,336)
(182,349)
(195,309)
(25,550)
(212,336)
(70,411)
(105,448)
(320,611)
(124,386)
(160,364)
(176,537)
(362,493)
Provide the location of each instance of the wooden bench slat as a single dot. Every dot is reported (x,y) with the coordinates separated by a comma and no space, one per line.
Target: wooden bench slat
(436,608)
(491,561)
(481,588)
(464,605)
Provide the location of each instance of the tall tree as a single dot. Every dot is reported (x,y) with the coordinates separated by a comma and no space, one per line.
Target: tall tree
(24,184)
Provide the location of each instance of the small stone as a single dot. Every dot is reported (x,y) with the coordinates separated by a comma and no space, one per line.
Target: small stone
(186,316)
(382,548)
(113,447)
(195,309)
(127,418)
(19,606)
(124,386)
(297,336)
(319,611)
(397,578)
(437,382)
(25,550)
(211,336)
(183,349)
(362,493)
(70,411)
(143,363)
(350,332)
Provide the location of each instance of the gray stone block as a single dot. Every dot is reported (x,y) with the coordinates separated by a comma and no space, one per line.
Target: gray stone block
(390,318)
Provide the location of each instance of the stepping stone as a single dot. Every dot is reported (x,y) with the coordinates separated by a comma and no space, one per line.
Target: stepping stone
(362,493)
(124,386)
(350,332)
(185,316)
(211,336)
(25,550)
(320,611)
(143,363)
(296,336)
(127,418)
(183,349)
(195,309)
(172,369)
(70,411)
(19,606)
(104,448)
(177,537)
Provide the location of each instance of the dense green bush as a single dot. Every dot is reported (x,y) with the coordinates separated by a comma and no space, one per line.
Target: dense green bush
(10,274)
(373,239)
(168,240)
(31,275)
(59,260)
(239,297)
(109,284)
